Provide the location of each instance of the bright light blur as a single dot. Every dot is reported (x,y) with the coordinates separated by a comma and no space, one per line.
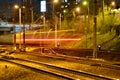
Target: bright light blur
(15,48)
(113,3)
(53,31)
(64,11)
(77,9)
(85,3)
(23,6)
(55,1)
(16,6)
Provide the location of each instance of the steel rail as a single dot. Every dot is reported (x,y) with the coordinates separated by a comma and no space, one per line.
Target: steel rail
(66,70)
(41,70)
(77,59)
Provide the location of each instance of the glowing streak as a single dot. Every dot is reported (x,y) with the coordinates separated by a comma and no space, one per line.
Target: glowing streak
(51,40)
(52,31)
(49,32)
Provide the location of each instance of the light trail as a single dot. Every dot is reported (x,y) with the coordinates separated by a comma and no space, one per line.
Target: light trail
(33,40)
(52,31)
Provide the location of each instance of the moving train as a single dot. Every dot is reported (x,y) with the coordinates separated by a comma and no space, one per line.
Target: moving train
(38,37)
(5,28)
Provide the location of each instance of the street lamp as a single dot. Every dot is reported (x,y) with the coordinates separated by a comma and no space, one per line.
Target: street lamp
(95,30)
(54,2)
(77,9)
(113,3)
(14,43)
(17,7)
(64,11)
(103,10)
(56,21)
(86,4)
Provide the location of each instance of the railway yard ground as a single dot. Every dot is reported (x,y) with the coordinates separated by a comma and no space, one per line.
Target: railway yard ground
(10,71)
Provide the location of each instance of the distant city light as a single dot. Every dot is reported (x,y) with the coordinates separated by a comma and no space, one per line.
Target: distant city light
(78,9)
(55,1)
(113,3)
(85,3)
(64,11)
(16,6)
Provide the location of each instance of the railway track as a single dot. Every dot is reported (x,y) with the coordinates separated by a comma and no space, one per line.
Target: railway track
(92,62)
(77,59)
(66,73)
(95,62)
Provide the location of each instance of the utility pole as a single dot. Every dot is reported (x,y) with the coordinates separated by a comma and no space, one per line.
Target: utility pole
(20,27)
(24,46)
(103,10)
(14,36)
(56,22)
(44,21)
(95,30)
(32,13)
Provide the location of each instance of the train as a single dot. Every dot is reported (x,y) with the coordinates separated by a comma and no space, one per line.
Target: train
(38,37)
(7,28)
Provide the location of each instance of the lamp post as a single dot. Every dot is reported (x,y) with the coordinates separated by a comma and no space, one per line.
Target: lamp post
(94,30)
(103,10)
(77,9)
(14,43)
(32,17)
(113,3)
(32,13)
(23,19)
(44,21)
(54,2)
(17,7)
(60,24)
(60,20)
(56,21)
(24,45)
(86,4)
(20,16)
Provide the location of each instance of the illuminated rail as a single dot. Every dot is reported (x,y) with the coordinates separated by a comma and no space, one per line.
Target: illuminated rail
(65,73)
